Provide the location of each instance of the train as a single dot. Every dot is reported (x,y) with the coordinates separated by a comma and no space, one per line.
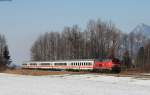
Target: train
(96,65)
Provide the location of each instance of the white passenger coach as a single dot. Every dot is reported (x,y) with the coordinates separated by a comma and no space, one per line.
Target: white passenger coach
(61,64)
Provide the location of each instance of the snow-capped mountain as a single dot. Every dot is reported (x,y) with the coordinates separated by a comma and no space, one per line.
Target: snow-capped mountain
(143,28)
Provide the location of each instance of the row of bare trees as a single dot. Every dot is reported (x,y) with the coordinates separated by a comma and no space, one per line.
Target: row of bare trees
(99,40)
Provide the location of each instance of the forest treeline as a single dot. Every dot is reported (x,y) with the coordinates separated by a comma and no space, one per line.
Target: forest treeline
(100,39)
(4,53)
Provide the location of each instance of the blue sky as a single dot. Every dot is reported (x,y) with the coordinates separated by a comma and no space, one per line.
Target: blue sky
(21,21)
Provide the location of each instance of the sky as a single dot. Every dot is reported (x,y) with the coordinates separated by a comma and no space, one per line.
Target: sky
(22,21)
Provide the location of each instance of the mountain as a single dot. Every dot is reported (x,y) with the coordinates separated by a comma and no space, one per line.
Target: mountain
(143,28)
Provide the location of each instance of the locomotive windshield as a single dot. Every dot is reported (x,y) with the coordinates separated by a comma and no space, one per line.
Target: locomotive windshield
(115,60)
(103,59)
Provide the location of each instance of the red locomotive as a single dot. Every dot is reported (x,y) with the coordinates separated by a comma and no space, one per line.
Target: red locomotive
(107,65)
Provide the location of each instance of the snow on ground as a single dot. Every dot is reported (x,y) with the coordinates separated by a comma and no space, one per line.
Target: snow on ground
(72,85)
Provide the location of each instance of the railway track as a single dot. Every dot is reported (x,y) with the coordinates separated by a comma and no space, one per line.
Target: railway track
(137,76)
(142,76)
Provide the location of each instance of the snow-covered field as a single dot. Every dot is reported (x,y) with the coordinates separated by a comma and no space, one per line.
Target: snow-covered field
(72,85)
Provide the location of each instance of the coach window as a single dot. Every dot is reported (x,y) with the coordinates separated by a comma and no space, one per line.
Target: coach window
(86,63)
(90,64)
(33,64)
(24,64)
(65,63)
(45,63)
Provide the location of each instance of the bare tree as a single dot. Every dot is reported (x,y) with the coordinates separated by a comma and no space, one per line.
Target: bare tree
(4,53)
